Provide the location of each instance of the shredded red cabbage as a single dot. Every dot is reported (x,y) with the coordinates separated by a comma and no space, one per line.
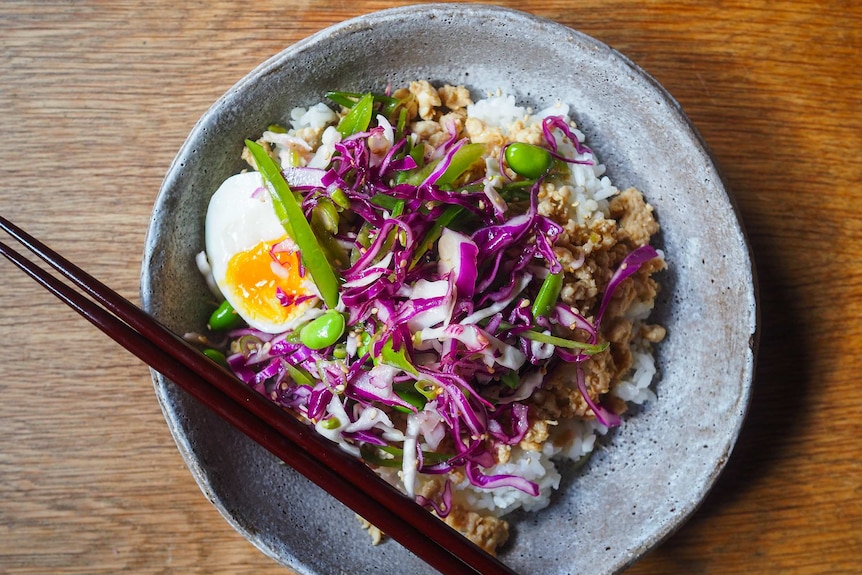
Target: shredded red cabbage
(438,315)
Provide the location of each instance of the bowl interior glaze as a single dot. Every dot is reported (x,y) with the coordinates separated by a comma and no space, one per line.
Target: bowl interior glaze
(650,474)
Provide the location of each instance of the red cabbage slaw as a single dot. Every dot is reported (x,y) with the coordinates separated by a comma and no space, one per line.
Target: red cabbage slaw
(442,350)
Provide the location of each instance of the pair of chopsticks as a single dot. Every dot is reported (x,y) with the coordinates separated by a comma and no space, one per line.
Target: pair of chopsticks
(298,445)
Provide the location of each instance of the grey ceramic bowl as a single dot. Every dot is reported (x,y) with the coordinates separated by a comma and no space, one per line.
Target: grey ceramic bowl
(650,474)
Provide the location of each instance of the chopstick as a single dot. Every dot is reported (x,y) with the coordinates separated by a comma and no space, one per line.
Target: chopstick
(321,461)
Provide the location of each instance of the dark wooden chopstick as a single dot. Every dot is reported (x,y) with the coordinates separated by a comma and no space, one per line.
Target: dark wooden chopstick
(347,479)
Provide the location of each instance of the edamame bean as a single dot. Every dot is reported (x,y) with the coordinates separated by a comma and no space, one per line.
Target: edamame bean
(323,331)
(528,160)
(224,317)
(340,351)
(331,423)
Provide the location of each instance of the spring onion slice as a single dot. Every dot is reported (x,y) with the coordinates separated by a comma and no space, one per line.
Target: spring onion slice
(589,348)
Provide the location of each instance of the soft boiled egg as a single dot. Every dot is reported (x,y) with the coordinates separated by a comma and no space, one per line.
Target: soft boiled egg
(255,265)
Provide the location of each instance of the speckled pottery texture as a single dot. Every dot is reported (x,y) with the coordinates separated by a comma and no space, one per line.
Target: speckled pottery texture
(649,475)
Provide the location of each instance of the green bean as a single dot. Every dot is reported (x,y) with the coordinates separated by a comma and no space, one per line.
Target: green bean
(416,152)
(371,451)
(461,162)
(324,223)
(340,198)
(396,233)
(358,118)
(299,375)
(216,356)
(290,214)
(323,331)
(370,455)
(335,252)
(548,294)
(328,215)
(409,395)
(435,232)
(363,240)
(224,317)
(349,99)
(385,201)
(528,160)
(402,122)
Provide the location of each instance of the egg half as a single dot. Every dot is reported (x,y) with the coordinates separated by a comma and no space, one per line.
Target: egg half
(255,265)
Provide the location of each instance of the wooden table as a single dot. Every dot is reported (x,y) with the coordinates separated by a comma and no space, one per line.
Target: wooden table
(97,96)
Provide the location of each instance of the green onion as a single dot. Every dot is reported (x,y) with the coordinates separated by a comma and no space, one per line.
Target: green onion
(385,201)
(460,163)
(290,214)
(372,454)
(427,388)
(398,359)
(588,348)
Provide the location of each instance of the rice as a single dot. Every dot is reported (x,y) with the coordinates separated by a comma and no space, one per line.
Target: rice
(597,234)
(572,439)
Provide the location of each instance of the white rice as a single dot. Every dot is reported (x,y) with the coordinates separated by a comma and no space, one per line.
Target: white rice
(590,190)
(317,116)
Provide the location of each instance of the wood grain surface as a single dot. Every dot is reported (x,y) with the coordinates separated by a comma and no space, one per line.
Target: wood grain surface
(97,96)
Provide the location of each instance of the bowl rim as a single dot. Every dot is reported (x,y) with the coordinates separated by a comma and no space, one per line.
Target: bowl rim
(434,10)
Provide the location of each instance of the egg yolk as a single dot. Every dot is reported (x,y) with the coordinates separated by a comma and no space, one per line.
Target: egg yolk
(256,274)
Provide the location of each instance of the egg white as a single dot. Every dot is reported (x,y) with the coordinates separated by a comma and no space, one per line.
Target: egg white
(240,216)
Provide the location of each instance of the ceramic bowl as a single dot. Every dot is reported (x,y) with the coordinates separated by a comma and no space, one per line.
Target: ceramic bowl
(649,475)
